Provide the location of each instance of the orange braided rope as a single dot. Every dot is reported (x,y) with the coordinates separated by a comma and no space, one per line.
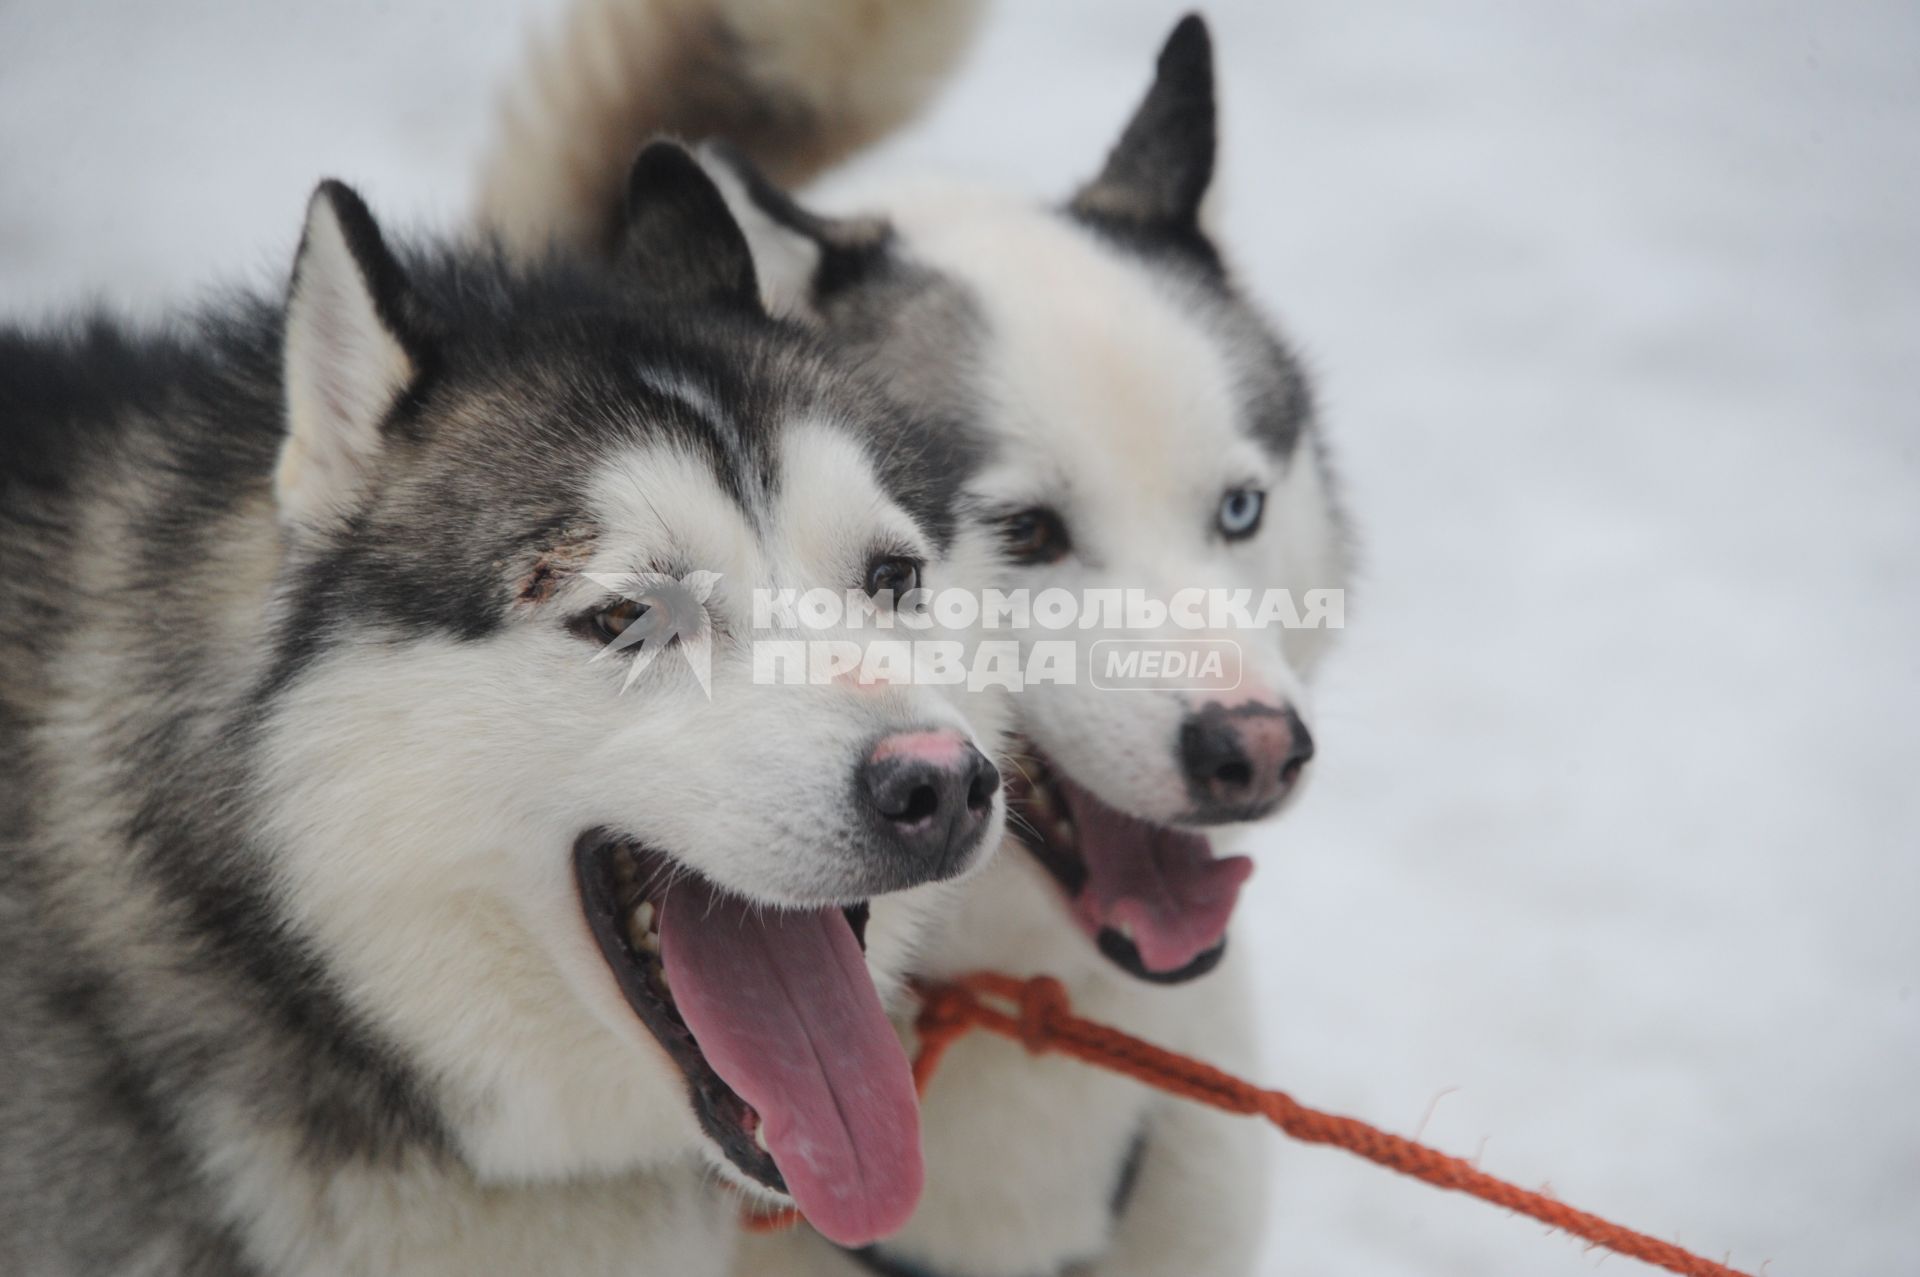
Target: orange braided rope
(1043,1021)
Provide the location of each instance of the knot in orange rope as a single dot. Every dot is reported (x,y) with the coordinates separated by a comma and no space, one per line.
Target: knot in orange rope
(1043,1006)
(943,1010)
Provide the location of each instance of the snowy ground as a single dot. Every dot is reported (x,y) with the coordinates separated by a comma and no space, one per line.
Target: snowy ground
(1615,847)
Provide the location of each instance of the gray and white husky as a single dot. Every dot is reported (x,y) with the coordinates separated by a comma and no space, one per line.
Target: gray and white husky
(1137,424)
(355,918)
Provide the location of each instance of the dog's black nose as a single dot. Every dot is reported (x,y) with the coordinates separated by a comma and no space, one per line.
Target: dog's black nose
(933,793)
(1241,762)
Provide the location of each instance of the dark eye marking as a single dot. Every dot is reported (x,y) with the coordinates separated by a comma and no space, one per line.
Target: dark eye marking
(611,621)
(893,576)
(557,564)
(1036,534)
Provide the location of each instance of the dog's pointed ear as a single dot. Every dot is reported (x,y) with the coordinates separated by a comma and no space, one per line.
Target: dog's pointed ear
(1158,173)
(796,257)
(349,355)
(681,238)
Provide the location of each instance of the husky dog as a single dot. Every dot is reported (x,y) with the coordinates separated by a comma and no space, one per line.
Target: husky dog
(1140,425)
(355,916)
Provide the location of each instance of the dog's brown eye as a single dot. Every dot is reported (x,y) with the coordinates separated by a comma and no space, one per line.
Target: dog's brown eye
(895,574)
(609,623)
(1034,536)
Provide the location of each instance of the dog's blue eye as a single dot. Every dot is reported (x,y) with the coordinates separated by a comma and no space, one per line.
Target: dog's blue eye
(1240,512)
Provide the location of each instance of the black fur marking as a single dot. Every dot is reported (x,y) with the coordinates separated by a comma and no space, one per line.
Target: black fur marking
(923,434)
(1181,244)
(385,282)
(682,240)
(1129,1178)
(137,1199)
(851,248)
(541,374)
(347,1091)
(914,331)
(84,400)
(1158,172)
(57,399)
(1276,389)
(875,1260)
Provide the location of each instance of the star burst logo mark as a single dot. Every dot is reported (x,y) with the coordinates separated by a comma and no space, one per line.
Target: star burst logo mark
(673,613)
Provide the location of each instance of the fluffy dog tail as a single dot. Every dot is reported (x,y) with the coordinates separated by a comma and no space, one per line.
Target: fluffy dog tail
(795,85)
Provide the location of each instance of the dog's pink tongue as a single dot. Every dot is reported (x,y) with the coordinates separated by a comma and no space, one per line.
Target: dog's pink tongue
(785,1012)
(1162,886)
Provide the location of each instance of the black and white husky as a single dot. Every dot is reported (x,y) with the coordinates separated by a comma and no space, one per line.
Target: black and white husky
(1139,426)
(355,918)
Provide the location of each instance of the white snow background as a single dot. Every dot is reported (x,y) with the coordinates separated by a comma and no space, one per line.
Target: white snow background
(1609,873)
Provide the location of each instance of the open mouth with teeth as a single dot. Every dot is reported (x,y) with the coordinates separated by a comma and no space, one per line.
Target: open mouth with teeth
(792,1066)
(1154,898)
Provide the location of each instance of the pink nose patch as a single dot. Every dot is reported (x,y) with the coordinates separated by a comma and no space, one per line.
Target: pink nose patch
(1251,692)
(1268,741)
(942,748)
